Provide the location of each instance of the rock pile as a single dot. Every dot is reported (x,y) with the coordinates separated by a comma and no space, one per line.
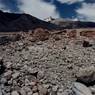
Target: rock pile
(57,66)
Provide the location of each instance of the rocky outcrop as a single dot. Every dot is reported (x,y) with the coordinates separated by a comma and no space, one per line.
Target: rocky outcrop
(40,34)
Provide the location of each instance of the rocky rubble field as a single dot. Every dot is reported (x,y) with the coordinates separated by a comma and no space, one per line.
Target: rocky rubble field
(44,63)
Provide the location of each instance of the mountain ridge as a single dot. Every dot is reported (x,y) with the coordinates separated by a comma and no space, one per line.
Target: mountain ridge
(15,22)
(10,22)
(73,24)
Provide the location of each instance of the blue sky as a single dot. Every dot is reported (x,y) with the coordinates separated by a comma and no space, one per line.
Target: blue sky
(70,9)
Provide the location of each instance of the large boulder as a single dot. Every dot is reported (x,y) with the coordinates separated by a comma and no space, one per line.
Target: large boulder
(86,75)
(80,89)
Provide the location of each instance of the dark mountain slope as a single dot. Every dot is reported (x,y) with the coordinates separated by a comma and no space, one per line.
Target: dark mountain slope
(10,22)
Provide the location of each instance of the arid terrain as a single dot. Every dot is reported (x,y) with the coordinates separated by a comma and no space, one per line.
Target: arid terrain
(44,62)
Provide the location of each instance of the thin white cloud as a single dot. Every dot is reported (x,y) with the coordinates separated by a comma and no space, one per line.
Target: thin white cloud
(38,8)
(2,7)
(70,1)
(86,12)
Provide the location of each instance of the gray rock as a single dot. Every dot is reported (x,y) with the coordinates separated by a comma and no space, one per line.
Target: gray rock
(22,92)
(10,81)
(32,83)
(80,89)
(40,75)
(33,71)
(1,92)
(30,93)
(59,93)
(8,93)
(68,92)
(26,89)
(8,74)
(42,90)
(53,93)
(14,93)
(39,43)
(35,94)
(27,82)
(3,80)
(47,86)
(20,43)
(92,89)
(7,89)
(1,58)
(55,88)
(86,75)
(15,75)
(34,89)
(8,65)
(60,90)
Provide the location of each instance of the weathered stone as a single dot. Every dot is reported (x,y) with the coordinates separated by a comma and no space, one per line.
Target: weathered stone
(1,58)
(30,93)
(26,89)
(39,43)
(15,75)
(35,93)
(1,92)
(86,75)
(47,86)
(20,43)
(8,65)
(27,82)
(80,89)
(40,75)
(68,92)
(33,83)
(60,90)
(8,94)
(92,89)
(33,71)
(8,74)
(3,80)
(57,37)
(14,93)
(22,92)
(42,90)
(35,89)
(55,88)
(53,93)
